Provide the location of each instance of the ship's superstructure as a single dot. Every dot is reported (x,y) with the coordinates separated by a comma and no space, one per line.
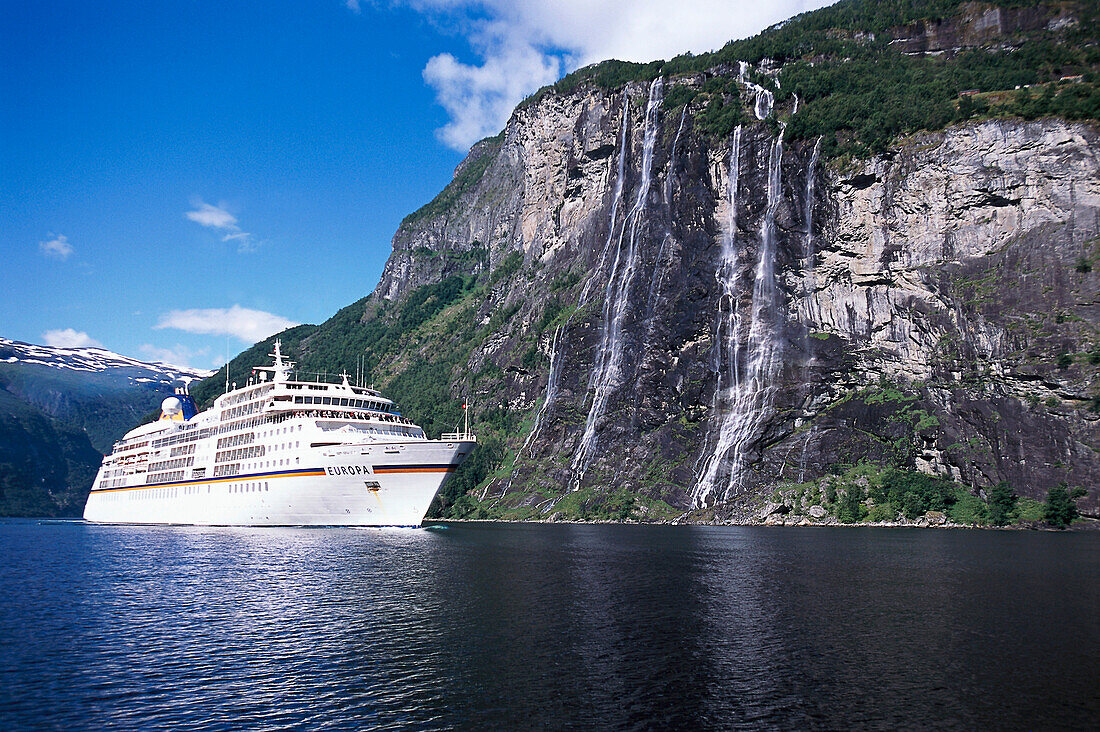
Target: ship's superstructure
(278,451)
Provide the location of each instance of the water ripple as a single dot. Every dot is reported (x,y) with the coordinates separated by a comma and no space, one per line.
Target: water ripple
(510,627)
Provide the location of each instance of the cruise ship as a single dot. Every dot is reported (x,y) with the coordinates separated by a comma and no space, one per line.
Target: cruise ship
(277,452)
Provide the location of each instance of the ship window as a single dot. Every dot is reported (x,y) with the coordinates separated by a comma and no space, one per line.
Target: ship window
(297,400)
(326,400)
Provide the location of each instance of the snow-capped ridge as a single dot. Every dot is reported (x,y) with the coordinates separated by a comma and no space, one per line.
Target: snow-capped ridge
(95,359)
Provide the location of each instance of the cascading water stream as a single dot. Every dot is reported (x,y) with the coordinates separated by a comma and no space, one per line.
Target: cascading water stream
(809,284)
(605,376)
(728,327)
(557,343)
(754,393)
(764,100)
(659,261)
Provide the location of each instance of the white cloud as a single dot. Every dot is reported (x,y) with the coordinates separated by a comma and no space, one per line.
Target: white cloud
(352,5)
(57,247)
(480,98)
(69,338)
(524,44)
(243,323)
(216,217)
(177,355)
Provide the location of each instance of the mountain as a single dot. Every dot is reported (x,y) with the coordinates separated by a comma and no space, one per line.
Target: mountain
(60,411)
(844,269)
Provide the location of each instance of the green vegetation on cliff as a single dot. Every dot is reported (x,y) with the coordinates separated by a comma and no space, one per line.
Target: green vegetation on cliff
(862,79)
(46,467)
(466,178)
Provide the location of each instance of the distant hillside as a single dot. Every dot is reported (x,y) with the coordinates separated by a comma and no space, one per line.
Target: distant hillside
(61,409)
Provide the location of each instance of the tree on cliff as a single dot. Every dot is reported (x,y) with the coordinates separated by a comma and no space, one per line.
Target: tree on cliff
(1002,501)
(1060,508)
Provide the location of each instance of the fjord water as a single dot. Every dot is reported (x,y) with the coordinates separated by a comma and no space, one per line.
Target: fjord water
(546,626)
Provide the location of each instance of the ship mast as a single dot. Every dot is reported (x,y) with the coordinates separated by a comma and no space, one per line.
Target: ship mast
(281,370)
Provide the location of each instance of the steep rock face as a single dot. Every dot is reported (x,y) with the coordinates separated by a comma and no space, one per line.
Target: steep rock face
(716,317)
(961,265)
(979,23)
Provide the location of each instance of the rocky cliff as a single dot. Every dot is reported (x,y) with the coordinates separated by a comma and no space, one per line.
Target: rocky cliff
(691,293)
(732,314)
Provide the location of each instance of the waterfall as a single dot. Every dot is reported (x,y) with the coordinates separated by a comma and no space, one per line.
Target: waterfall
(727,330)
(552,381)
(808,267)
(808,288)
(802,459)
(557,343)
(668,224)
(762,104)
(795,111)
(764,101)
(754,393)
(605,375)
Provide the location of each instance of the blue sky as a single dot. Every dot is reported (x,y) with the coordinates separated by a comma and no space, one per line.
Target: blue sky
(175,173)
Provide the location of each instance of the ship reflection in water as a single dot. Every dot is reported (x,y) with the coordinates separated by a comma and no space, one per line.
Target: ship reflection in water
(522,626)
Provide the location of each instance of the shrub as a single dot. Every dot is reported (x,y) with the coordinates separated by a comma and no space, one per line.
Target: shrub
(968,509)
(882,512)
(915,493)
(1060,510)
(1002,503)
(1028,509)
(851,508)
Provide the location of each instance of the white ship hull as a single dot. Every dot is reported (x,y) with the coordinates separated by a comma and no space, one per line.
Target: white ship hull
(370,484)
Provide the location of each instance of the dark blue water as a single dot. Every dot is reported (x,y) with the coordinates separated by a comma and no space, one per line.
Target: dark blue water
(554,627)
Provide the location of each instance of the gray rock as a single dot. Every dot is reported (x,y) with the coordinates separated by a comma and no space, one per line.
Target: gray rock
(945,270)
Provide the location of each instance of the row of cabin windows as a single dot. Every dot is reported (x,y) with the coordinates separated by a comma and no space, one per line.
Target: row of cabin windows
(234,440)
(250,408)
(249,487)
(343,402)
(165,477)
(246,395)
(175,492)
(189,436)
(185,462)
(241,453)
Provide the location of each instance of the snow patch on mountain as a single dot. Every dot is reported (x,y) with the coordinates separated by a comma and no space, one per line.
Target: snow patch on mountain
(96,360)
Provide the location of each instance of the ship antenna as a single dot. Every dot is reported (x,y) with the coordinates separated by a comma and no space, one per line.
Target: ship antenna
(227,364)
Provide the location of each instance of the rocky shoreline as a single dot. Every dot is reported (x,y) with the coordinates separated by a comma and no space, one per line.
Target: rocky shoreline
(1085,524)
